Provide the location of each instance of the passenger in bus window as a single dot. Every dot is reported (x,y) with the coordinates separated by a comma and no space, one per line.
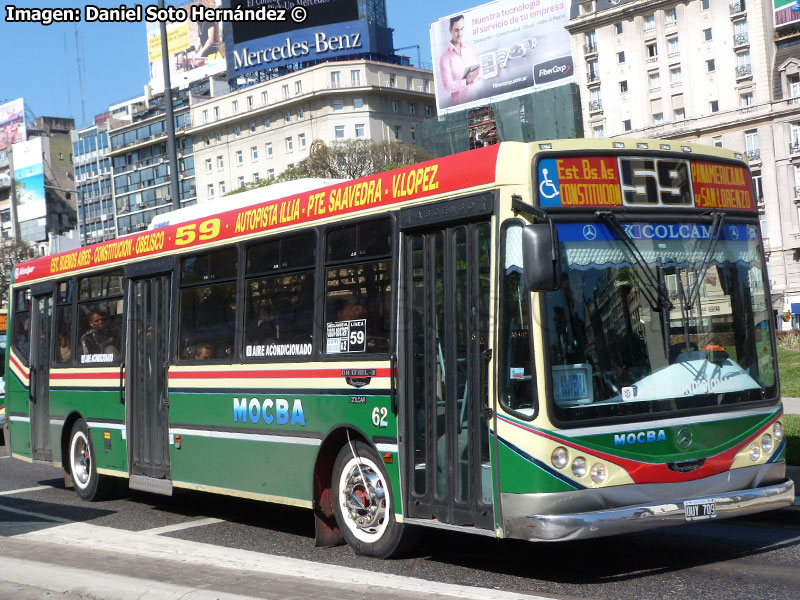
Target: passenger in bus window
(97,344)
(64,347)
(203,352)
(24,337)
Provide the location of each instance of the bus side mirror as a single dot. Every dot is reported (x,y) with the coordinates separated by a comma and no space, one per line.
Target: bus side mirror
(541,262)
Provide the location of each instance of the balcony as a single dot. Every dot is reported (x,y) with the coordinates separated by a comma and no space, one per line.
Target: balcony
(590,48)
(593,78)
(740,39)
(737,9)
(744,71)
(753,155)
(797,193)
(595,106)
(794,148)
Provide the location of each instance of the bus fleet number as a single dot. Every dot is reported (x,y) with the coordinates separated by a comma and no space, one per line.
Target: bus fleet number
(379,417)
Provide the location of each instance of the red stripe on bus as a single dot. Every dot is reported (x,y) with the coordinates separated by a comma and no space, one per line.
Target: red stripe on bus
(84,375)
(13,361)
(320,373)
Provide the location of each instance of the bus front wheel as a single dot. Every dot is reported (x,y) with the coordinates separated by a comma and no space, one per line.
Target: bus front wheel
(85,479)
(363,503)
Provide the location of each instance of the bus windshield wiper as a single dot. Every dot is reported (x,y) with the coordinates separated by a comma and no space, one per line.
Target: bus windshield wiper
(655,292)
(716,230)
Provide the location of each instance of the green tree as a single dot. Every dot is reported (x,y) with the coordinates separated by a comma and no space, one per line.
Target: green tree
(11,252)
(348,159)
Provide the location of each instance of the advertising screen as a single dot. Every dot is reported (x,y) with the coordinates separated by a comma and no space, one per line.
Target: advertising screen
(12,123)
(195,49)
(500,50)
(786,12)
(330,29)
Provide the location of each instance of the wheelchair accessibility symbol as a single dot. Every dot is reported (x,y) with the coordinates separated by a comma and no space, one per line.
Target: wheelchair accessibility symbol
(549,192)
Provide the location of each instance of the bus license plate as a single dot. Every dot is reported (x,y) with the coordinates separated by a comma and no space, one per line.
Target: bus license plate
(694,510)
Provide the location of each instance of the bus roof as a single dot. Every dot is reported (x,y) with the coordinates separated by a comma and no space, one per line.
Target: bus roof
(240,199)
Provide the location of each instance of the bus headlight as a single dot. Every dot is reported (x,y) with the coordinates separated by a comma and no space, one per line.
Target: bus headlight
(560,457)
(766,443)
(598,473)
(777,432)
(579,467)
(755,452)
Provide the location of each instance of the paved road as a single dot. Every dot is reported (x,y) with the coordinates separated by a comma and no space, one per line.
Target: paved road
(201,546)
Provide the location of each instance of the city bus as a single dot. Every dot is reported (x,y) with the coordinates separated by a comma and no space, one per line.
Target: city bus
(3,338)
(546,341)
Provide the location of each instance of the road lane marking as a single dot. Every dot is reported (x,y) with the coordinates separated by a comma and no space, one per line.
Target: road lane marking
(180,526)
(133,543)
(65,580)
(23,490)
(36,515)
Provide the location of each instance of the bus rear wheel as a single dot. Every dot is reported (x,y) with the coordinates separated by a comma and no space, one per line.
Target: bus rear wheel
(363,503)
(88,484)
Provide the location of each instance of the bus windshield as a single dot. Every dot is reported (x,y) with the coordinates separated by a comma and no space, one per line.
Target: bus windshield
(618,347)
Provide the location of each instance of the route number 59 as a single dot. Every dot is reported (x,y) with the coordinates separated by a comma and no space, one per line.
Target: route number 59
(379,417)
(186,234)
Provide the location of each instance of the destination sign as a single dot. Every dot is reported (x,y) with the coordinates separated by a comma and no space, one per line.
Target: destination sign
(642,181)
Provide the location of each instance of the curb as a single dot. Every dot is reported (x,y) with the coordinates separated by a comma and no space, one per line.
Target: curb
(793,473)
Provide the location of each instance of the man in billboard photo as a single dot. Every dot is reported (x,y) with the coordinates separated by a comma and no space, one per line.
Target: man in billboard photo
(459,68)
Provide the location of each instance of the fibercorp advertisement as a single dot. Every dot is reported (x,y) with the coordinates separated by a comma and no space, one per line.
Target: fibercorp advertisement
(195,48)
(500,50)
(786,12)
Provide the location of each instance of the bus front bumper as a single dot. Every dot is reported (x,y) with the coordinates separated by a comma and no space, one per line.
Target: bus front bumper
(628,519)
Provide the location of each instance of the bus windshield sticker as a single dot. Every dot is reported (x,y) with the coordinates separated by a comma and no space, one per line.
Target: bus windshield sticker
(347,336)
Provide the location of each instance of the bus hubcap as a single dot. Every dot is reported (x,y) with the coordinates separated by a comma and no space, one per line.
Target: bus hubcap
(80,460)
(365,498)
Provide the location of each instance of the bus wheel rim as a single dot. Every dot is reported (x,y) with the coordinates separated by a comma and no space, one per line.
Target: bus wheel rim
(364,499)
(81,460)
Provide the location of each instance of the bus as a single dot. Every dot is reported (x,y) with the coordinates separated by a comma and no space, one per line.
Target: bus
(3,344)
(545,341)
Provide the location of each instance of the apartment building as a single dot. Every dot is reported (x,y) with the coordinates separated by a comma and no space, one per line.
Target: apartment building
(719,73)
(259,131)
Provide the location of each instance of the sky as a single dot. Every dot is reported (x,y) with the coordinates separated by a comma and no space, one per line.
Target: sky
(41,64)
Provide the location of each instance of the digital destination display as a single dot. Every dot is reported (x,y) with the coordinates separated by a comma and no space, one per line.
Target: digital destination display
(602,181)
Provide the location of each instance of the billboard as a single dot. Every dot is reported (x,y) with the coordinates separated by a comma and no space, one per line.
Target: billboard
(29,178)
(328,29)
(500,50)
(12,123)
(786,12)
(195,49)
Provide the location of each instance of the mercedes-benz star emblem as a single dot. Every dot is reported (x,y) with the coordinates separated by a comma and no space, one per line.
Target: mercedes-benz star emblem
(684,437)
(734,232)
(589,232)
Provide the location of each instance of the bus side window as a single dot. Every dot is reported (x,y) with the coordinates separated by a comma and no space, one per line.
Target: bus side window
(358,292)
(22,324)
(515,372)
(100,319)
(208,305)
(279,321)
(63,336)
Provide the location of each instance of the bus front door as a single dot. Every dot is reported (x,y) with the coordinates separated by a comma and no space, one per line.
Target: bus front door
(446,282)
(147,384)
(39,390)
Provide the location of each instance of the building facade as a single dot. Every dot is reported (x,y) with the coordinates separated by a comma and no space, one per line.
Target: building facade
(719,73)
(257,132)
(94,192)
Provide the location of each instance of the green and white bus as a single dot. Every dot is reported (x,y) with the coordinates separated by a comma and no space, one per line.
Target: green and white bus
(545,341)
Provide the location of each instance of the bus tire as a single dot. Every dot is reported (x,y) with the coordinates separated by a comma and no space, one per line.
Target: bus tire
(82,465)
(363,506)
